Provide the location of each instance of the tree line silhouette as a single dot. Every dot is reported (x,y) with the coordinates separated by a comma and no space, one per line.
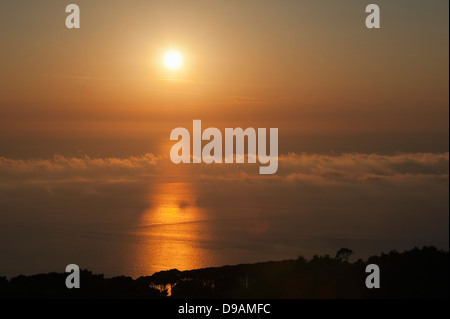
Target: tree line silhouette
(416,273)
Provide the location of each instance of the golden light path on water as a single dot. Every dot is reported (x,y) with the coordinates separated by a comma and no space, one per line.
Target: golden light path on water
(171,230)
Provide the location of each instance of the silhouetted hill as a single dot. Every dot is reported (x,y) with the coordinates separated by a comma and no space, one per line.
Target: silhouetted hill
(417,273)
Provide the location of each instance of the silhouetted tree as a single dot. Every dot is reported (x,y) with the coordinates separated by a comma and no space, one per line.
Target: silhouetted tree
(344,254)
(417,273)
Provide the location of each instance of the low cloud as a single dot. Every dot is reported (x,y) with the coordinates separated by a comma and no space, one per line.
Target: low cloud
(350,167)
(65,168)
(309,168)
(363,167)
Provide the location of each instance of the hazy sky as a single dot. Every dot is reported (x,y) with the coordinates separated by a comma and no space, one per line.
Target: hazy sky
(310,68)
(85,119)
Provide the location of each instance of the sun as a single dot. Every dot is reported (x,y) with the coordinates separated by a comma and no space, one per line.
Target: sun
(173,60)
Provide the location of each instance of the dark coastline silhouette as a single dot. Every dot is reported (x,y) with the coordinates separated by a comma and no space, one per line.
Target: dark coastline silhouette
(416,273)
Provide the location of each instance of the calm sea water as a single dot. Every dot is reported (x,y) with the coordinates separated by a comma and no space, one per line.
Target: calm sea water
(180,229)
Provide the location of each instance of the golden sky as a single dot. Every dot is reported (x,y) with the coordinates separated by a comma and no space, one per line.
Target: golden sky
(309,69)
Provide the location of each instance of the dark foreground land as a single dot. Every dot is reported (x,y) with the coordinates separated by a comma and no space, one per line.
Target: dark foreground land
(417,273)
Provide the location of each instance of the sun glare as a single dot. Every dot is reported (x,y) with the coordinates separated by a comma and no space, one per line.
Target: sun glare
(173,60)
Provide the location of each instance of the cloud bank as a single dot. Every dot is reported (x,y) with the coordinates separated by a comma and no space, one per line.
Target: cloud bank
(316,168)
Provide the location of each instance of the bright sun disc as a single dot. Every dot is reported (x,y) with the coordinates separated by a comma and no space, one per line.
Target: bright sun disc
(173,60)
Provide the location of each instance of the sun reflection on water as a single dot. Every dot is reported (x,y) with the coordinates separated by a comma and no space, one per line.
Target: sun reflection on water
(171,229)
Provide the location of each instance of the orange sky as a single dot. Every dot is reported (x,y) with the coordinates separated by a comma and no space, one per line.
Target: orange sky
(308,69)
